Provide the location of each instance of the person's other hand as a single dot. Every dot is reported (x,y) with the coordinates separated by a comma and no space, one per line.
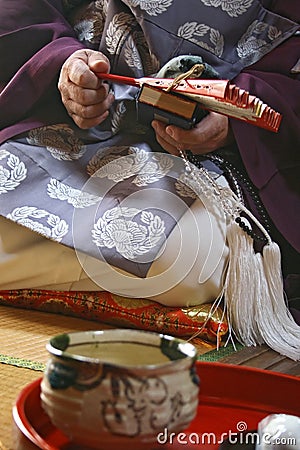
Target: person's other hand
(211,133)
(83,94)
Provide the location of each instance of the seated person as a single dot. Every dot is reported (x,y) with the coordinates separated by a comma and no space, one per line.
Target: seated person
(76,162)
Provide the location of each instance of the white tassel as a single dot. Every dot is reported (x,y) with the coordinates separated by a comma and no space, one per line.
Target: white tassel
(241,283)
(278,328)
(253,287)
(254,297)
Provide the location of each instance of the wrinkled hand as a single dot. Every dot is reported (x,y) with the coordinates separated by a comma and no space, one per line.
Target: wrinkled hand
(212,133)
(83,94)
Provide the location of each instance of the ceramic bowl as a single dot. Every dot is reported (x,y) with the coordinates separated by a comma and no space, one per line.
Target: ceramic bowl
(119,388)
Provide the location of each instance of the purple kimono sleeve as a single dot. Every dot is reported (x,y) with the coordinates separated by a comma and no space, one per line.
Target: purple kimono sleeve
(35,40)
(272,160)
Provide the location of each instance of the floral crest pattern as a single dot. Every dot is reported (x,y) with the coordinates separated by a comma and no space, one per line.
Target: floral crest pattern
(118,116)
(117,32)
(117,229)
(152,7)
(249,43)
(193,31)
(87,30)
(30,216)
(12,175)
(147,167)
(131,52)
(137,54)
(60,140)
(88,22)
(184,187)
(233,8)
(75,197)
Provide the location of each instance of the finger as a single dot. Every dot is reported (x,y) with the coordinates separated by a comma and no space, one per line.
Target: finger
(89,111)
(99,63)
(84,96)
(79,74)
(167,146)
(177,137)
(187,137)
(171,145)
(160,130)
(208,129)
(89,123)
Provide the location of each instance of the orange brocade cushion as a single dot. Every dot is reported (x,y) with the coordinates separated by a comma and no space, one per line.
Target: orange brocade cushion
(208,323)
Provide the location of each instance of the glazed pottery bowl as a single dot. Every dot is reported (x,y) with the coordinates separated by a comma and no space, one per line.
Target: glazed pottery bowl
(119,388)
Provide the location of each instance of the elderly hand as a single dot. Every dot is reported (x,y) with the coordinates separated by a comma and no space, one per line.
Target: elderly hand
(83,94)
(211,133)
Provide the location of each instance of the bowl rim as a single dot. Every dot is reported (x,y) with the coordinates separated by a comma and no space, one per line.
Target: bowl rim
(186,349)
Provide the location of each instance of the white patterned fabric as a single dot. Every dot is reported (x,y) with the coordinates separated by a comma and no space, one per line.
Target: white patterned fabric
(182,275)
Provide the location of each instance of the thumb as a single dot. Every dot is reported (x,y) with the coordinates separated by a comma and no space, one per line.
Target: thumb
(98,62)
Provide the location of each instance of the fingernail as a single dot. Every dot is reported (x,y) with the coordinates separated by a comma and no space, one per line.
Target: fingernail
(111,98)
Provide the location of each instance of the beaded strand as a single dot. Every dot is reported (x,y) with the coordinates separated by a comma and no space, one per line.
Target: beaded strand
(232,203)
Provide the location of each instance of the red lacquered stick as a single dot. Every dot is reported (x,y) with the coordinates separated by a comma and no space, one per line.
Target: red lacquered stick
(119,79)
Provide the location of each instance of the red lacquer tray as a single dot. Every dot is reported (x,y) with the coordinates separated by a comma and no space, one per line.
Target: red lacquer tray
(233,399)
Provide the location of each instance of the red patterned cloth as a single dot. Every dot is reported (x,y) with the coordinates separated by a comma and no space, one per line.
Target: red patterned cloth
(211,324)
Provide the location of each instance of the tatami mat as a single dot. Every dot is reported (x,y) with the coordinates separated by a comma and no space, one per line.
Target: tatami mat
(24,333)
(12,380)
